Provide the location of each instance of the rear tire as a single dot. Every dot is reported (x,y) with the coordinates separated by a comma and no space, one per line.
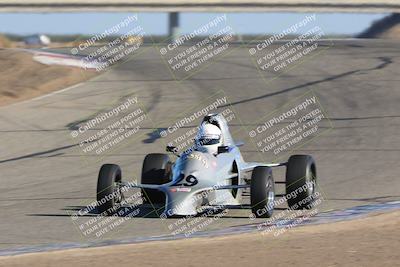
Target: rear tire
(156,170)
(301,181)
(108,192)
(262,192)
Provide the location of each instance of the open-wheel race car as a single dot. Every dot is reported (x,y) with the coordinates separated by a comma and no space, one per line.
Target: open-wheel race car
(211,172)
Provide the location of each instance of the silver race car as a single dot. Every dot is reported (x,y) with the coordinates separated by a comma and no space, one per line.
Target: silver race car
(211,172)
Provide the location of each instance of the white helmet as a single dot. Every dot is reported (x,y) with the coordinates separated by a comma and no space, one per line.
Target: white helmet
(209,138)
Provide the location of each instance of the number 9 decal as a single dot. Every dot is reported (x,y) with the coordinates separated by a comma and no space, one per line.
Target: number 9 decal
(190,180)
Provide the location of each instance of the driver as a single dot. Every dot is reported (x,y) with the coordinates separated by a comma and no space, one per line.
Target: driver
(209,138)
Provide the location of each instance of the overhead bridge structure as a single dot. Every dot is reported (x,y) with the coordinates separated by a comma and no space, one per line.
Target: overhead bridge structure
(173,7)
(373,6)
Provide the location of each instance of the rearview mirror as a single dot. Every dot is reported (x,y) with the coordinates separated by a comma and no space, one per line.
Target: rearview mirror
(223,149)
(172,149)
(239,143)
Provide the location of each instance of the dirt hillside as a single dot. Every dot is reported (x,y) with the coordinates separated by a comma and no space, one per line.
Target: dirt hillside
(22,78)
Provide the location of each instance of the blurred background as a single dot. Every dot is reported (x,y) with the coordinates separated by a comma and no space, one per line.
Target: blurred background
(64,29)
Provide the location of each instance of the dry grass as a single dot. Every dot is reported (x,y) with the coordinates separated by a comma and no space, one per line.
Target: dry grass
(22,78)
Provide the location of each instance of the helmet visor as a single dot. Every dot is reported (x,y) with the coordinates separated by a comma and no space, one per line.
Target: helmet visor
(209,140)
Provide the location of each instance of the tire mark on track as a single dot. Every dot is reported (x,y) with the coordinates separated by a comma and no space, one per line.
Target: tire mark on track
(385,62)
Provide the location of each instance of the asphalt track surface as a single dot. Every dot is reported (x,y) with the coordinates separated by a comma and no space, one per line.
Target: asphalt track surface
(46,177)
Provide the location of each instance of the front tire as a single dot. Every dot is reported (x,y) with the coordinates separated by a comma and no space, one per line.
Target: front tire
(262,192)
(108,191)
(301,181)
